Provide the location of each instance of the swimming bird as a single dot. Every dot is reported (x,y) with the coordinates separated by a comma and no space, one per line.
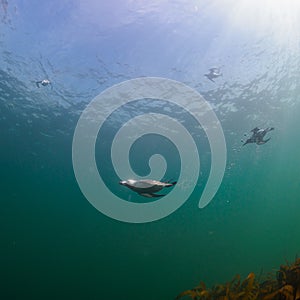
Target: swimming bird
(43,82)
(213,73)
(146,187)
(258,136)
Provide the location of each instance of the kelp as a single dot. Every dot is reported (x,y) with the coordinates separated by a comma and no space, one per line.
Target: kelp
(285,286)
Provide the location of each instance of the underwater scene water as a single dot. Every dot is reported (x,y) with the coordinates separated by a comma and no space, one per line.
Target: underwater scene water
(54,243)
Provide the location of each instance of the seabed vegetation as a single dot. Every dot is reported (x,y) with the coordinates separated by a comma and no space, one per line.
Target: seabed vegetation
(286,286)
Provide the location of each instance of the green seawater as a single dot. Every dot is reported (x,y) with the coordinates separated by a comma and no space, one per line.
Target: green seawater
(56,245)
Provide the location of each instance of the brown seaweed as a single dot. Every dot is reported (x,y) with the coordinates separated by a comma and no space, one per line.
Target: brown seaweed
(286,286)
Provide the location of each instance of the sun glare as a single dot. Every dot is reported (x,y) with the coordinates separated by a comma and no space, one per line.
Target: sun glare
(278,18)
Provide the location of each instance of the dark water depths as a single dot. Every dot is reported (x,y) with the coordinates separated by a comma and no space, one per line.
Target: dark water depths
(54,243)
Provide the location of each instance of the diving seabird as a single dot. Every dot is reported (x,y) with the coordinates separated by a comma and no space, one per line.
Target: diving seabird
(146,187)
(258,136)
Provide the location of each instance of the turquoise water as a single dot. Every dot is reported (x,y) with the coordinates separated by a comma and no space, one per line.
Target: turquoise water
(54,243)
